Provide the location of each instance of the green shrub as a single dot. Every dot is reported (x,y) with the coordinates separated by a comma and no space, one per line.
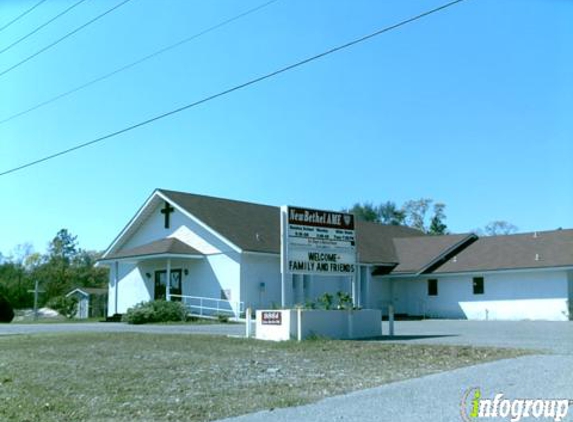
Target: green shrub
(66,306)
(325,301)
(6,311)
(222,318)
(156,311)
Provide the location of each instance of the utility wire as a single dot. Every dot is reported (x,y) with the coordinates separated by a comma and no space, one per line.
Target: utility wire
(138,61)
(18,41)
(17,18)
(235,88)
(69,34)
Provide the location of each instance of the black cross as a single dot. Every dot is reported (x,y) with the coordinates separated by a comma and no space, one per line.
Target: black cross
(168,209)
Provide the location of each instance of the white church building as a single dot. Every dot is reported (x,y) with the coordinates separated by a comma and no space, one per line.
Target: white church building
(222,255)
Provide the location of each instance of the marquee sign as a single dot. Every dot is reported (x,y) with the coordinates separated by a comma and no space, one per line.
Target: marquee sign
(318,242)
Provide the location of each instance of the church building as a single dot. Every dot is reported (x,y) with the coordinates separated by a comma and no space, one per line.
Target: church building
(221,256)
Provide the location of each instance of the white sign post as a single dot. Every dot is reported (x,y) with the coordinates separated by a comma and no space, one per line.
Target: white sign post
(316,242)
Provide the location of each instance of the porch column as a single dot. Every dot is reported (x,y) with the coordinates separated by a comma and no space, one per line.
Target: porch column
(299,289)
(115,281)
(357,286)
(367,280)
(168,281)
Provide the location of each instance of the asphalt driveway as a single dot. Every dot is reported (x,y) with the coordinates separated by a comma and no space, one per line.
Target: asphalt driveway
(554,337)
(115,327)
(439,397)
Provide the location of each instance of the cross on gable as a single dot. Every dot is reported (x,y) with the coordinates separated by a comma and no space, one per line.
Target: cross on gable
(167,210)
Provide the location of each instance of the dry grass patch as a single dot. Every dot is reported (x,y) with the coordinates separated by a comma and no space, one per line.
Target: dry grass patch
(146,377)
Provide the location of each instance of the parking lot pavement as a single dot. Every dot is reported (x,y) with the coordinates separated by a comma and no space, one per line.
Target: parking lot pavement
(439,397)
(115,327)
(554,337)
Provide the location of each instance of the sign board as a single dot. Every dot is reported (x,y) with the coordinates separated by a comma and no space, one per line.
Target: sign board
(271,318)
(318,242)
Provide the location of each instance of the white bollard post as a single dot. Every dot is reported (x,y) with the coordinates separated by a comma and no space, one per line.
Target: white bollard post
(299,324)
(248,323)
(391,320)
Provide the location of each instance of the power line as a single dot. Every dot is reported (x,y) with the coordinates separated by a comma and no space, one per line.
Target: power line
(69,34)
(137,62)
(235,88)
(18,41)
(20,16)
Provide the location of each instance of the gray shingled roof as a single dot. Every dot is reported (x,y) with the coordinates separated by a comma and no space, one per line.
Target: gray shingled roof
(168,246)
(518,251)
(256,228)
(418,254)
(375,241)
(252,227)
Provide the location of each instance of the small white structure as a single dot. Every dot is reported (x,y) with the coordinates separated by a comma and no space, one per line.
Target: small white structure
(290,324)
(219,255)
(91,302)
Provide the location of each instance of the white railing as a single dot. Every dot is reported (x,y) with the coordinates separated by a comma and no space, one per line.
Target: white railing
(209,306)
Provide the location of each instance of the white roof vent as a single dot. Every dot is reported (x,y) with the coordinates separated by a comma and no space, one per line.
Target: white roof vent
(537,257)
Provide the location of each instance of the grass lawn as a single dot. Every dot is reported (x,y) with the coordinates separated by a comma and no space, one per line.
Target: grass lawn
(145,377)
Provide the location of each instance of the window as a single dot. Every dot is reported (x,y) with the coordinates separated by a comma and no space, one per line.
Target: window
(433,287)
(478,285)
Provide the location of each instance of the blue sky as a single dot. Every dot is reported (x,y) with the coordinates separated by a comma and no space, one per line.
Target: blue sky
(470,107)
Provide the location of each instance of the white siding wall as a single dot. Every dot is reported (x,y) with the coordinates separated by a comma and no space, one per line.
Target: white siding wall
(257,269)
(219,270)
(570,300)
(182,228)
(380,293)
(536,295)
(319,285)
(133,287)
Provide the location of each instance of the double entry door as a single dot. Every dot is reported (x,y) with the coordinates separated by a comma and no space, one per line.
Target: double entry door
(174,285)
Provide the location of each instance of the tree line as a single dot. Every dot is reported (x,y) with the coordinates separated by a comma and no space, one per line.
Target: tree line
(63,267)
(423,214)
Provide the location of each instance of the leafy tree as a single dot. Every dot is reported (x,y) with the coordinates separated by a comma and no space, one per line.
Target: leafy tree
(6,310)
(63,247)
(416,211)
(365,212)
(389,213)
(437,225)
(496,228)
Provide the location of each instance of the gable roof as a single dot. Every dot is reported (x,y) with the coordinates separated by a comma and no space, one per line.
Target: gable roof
(256,228)
(252,227)
(375,242)
(422,254)
(401,250)
(518,251)
(168,246)
(86,291)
